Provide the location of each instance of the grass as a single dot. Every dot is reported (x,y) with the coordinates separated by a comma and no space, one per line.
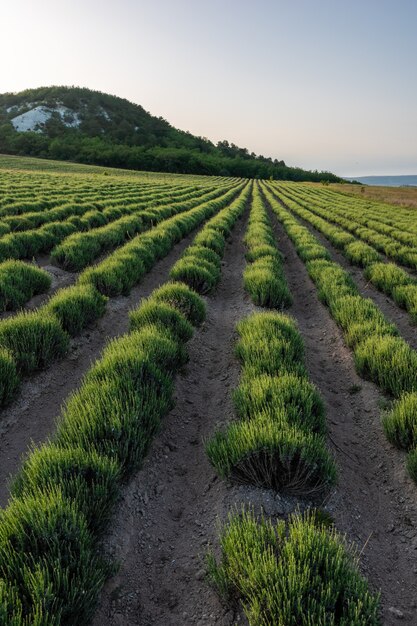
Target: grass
(399,196)
(295,573)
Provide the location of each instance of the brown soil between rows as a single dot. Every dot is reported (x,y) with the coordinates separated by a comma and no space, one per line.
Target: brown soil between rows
(31,417)
(374,502)
(169,512)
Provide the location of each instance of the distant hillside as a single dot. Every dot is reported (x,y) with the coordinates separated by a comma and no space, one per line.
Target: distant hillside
(76,124)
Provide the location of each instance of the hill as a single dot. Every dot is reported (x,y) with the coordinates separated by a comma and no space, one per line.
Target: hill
(85,126)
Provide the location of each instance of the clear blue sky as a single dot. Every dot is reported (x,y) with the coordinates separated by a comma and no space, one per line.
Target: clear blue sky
(321,84)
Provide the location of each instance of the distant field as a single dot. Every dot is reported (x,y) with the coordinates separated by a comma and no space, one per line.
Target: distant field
(8,162)
(399,196)
(255,342)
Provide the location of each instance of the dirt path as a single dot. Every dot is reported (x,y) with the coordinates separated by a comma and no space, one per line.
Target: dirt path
(375,501)
(168,511)
(31,417)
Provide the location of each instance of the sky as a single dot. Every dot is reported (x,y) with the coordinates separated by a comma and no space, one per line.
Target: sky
(327,85)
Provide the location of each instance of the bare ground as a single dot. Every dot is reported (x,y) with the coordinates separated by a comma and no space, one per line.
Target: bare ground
(168,512)
(31,417)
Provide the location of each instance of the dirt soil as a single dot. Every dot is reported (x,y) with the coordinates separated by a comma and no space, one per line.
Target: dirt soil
(31,417)
(169,512)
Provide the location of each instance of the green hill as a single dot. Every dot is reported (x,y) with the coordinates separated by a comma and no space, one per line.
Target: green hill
(85,126)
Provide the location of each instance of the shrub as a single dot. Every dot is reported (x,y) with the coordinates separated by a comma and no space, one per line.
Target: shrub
(360,318)
(114,276)
(164,317)
(184,299)
(289,395)
(85,478)
(270,344)
(200,275)
(406,297)
(389,362)
(211,239)
(400,424)
(295,573)
(411,464)
(386,276)
(47,555)
(332,281)
(9,379)
(266,453)
(361,254)
(77,251)
(199,251)
(76,307)
(266,285)
(117,412)
(260,250)
(34,339)
(19,282)
(158,346)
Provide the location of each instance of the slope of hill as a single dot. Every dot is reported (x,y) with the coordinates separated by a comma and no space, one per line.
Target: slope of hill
(77,124)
